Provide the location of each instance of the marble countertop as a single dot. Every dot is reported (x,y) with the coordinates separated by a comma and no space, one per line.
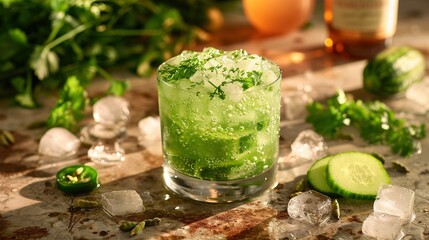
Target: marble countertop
(31,207)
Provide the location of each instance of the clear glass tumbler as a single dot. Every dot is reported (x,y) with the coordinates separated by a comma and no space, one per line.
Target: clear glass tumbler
(220,115)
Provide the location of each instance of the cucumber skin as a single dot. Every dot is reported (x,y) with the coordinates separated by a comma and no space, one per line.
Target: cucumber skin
(393,70)
(312,186)
(342,192)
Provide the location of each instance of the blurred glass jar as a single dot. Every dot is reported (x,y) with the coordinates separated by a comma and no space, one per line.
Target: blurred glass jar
(278,16)
(360,28)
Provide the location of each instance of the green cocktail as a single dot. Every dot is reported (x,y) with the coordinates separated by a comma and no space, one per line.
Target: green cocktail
(220,114)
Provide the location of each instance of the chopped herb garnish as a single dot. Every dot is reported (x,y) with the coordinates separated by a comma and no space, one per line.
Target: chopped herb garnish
(250,79)
(194,62)
(375,121)
(184,70)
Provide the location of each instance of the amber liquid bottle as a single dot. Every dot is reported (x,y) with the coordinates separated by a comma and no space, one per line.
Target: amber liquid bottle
(360,28)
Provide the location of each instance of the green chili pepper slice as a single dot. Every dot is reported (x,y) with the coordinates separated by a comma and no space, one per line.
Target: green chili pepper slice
(77,179)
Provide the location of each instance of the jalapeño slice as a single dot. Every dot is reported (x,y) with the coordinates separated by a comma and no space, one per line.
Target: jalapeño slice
(77,179)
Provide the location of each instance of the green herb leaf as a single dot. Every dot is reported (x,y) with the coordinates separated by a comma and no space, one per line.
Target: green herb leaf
(44,62)
(128,226)
(74,38)
(118,88)
(138,228)
(85,203)
(69,109)
(6,138)
(184,70)
(251,79)
(375,121)
(24,98)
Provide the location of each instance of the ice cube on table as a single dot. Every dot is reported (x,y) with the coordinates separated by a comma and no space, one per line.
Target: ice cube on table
(309,145)
(122,202)
(382,226)
(395,200)
(111,110)
(295,105)
(106,152)
(418,93)
(310,206)
(58,142)
(150,135)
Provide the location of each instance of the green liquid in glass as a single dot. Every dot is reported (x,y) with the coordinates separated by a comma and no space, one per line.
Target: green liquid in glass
(220,114)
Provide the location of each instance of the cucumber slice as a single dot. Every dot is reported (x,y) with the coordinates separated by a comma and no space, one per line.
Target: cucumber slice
(316,176)
(356,175)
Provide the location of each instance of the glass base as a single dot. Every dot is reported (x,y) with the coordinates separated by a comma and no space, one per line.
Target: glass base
(219,191)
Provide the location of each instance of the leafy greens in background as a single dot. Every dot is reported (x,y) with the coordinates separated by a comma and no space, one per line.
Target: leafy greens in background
(44,43)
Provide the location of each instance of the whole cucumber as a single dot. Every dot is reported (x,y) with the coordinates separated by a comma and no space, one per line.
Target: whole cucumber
(393,70)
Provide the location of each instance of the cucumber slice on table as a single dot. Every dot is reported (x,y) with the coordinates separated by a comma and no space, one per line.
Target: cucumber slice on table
(316,176)
(356,175)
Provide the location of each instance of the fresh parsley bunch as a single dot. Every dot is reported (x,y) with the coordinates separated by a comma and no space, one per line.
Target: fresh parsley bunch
(375,121)
(45,42)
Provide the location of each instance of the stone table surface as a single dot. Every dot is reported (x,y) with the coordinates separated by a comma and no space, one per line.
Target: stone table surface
(31,207)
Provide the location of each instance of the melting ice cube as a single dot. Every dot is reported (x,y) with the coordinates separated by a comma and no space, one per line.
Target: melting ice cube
(309,145)
(122,202)
(111,110)
(150,135)
(106,152)
(295,105)
(418,93)
(384,226)
(58,142)
(311,206)
(395,200)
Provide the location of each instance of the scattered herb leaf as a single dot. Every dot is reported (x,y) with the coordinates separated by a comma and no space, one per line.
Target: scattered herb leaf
(400,167)
(138,228)
(152,222)
(336,209)
(301,185)
(128,226)
(379,157)
(85,203)
(6,138)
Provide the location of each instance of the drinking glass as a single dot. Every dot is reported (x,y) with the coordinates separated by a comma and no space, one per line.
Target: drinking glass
(220,131)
